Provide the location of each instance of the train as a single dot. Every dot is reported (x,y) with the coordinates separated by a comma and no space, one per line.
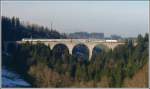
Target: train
(82,40)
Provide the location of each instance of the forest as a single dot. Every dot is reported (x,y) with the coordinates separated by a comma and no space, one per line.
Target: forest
(13,29)
(45,67)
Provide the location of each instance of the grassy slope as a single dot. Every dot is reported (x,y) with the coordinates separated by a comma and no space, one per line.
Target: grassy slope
(139,80)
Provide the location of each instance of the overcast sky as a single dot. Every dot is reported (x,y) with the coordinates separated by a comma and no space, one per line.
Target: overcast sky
(125,18)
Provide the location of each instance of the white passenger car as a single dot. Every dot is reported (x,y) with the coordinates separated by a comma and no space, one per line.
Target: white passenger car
(111,40)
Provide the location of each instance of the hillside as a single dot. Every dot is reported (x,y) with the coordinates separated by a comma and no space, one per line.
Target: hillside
(140,79)
(13,29)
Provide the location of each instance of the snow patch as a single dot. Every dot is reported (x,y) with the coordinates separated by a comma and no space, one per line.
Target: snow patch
(11,79)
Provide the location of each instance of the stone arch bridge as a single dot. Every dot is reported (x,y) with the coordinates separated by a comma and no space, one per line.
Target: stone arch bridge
(71,43)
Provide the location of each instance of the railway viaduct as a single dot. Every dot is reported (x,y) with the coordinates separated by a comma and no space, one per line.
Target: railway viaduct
(71,43)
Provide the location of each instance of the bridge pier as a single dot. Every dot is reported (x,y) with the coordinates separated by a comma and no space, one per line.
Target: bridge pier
(90,47)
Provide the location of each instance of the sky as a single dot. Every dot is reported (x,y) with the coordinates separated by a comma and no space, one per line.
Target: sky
(125,18)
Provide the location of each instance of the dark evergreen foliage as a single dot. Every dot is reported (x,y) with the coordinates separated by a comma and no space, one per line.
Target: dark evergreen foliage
(13,29)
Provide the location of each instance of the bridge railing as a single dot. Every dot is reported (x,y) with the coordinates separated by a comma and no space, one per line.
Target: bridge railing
(72,40)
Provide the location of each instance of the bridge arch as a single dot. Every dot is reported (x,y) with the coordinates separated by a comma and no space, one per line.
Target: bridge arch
(81,52)
(60,50)
(68,45)
(101,47)
(98,49)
